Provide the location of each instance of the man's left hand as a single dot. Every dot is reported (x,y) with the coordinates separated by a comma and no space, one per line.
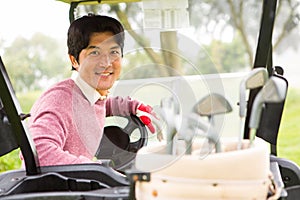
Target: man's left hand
(147,116)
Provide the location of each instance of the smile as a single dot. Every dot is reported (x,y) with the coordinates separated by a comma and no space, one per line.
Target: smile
(104,73)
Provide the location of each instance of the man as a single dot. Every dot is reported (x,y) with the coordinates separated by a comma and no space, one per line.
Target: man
(67,121)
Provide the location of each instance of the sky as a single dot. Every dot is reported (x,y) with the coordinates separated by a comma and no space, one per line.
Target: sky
(25,17)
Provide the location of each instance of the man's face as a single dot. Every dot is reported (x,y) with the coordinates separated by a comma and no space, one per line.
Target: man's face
(100,63)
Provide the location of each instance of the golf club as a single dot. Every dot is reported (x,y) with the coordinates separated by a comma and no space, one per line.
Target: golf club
(210,105)
(256,78)
(169,111)
(274,91)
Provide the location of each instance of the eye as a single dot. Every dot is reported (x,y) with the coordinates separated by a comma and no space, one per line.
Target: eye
(94,53)
(115,52)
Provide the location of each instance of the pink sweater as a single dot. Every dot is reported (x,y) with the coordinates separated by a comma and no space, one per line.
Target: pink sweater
(66,128)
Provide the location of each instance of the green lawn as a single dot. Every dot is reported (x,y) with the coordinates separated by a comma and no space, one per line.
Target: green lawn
(288,142)
(289,132)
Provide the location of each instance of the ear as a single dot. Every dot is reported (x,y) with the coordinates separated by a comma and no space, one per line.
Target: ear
(74,62)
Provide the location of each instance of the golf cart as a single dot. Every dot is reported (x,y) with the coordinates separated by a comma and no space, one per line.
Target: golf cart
(118,180)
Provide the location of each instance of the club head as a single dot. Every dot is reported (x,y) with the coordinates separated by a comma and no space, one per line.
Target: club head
(212,104)
(194,120)
(195,123)
(256,78)
(274,91)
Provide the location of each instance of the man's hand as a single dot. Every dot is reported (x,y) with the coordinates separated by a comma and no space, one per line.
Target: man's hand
(147,116)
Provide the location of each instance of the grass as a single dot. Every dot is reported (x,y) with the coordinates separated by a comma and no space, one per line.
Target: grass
(288,139)
(27,99)
(10,161)
(289,132)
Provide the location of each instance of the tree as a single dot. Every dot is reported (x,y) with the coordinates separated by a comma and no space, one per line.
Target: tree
(30,62)
(243,18)
(213,17)
(40,58)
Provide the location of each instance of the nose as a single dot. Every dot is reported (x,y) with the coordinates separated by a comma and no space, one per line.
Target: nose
(105,60)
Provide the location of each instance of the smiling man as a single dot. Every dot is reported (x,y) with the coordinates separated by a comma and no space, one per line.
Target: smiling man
(100,62)
(67,121)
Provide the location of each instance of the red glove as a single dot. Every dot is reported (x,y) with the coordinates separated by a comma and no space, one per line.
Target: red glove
(147,116)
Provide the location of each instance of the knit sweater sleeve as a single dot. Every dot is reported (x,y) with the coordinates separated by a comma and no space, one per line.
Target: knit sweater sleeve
(50,126)
(49,138)
(119,106)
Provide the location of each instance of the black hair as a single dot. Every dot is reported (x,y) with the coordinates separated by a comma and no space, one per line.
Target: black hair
(81,29)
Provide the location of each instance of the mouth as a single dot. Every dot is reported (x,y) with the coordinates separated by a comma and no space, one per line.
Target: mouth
(104,73)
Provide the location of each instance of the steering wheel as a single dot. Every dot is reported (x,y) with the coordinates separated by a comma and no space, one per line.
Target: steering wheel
(121,144)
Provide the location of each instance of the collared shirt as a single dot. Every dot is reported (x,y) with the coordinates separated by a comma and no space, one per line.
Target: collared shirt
(89,92)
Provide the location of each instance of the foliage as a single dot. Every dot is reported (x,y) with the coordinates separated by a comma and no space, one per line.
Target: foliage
(218,19)
(10,161)
(136,65)
(30,62)
(237,16)
(222,57)
(27,99)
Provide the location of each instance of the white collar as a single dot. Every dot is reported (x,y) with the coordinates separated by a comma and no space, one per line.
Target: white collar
(89,92)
